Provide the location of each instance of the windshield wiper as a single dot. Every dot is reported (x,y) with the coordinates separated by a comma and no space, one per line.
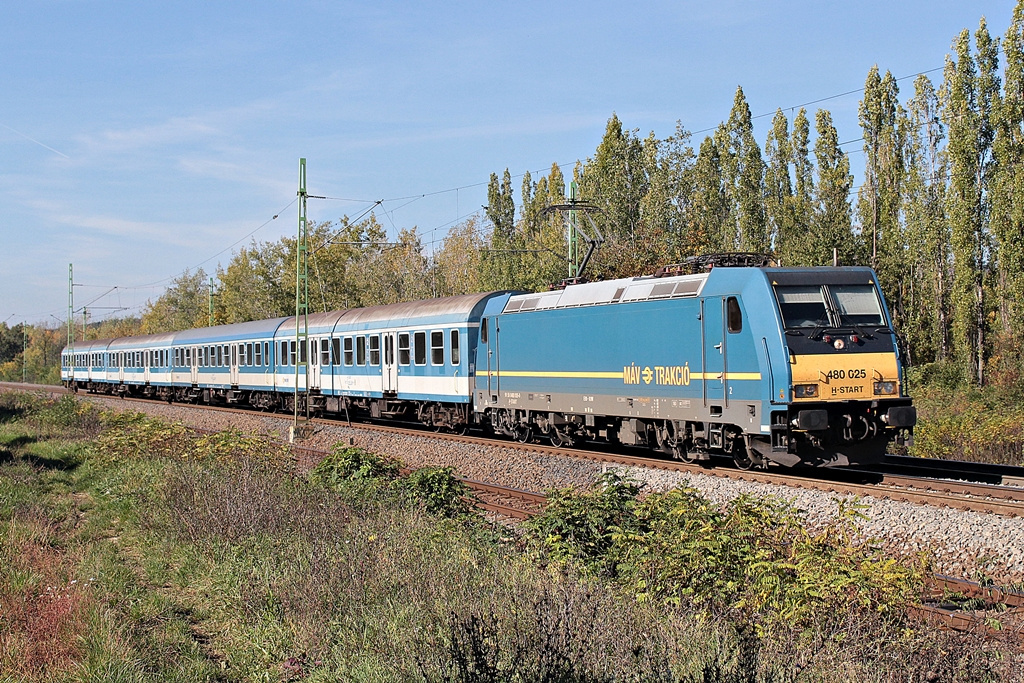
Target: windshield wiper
(819,326)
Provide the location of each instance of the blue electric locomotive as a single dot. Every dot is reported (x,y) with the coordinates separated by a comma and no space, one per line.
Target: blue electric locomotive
(763,364)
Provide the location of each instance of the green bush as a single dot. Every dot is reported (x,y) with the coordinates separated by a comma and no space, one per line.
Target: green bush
(346,463)
(440,492)
(580,527)
(752,557)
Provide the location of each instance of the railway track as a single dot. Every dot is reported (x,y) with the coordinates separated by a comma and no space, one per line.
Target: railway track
(972,496)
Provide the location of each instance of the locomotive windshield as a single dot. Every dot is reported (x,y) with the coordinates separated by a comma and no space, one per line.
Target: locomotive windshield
(829,306)
(802,306)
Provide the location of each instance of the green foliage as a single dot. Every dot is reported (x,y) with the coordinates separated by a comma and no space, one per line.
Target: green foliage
(346,463)
(185,304)
(749,556)
(439,490)
(981,425)
(163,567)
(580,527)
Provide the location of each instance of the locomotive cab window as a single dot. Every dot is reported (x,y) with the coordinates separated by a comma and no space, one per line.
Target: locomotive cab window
(734,314)
(857,305)
(802,306)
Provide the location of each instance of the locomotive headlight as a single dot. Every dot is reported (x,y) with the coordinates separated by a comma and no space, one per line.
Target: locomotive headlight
(805,390)
(885,388)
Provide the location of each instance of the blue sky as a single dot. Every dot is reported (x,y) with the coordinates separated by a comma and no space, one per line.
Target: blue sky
(139,139)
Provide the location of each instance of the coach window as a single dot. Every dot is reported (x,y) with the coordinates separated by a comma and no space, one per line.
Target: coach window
(314,355)
(325,352)
(291,353)
(249,360)
(227,355)
(403,348)
(419,344)
(455,348)
(375,349)
(360,350)
(335,350)
(266,353)
(734,314)
(348,350)
(258,358)
(437,347)
(219,360)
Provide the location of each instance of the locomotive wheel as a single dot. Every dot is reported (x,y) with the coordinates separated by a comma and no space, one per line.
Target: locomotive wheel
(742,460)
(523,434)
(680,453)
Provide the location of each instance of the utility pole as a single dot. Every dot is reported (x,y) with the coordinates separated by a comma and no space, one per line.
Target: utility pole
(574,250)
(24,353)
(71,328)
(85,322)
(211,301)
(301,310)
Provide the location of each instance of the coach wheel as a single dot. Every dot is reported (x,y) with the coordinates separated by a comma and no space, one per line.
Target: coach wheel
(523,434)
(559,439)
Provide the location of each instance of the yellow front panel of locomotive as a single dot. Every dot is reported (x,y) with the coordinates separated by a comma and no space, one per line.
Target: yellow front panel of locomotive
(844,376)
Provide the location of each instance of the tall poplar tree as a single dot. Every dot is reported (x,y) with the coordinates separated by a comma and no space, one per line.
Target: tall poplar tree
(833,226)
(745,174)
(791,248)
(926,321)
(708,224)
(1007,193)
(878,204)
(779,205)
(967,106)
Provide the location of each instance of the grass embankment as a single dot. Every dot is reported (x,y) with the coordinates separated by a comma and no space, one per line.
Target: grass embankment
(976,424)
(132,550)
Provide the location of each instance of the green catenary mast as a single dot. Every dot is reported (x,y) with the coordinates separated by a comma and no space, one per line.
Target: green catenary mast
(301,303)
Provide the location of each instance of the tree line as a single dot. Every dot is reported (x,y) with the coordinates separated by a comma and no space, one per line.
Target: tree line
(939,215)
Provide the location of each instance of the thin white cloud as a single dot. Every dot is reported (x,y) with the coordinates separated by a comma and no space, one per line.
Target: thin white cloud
(541,126)
(173,131)
(246,174)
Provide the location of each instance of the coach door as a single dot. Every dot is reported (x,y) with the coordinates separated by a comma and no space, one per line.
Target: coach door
(489,337)
(194,364)
(389,369)
(714,350)
(233,368)
(313,367)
